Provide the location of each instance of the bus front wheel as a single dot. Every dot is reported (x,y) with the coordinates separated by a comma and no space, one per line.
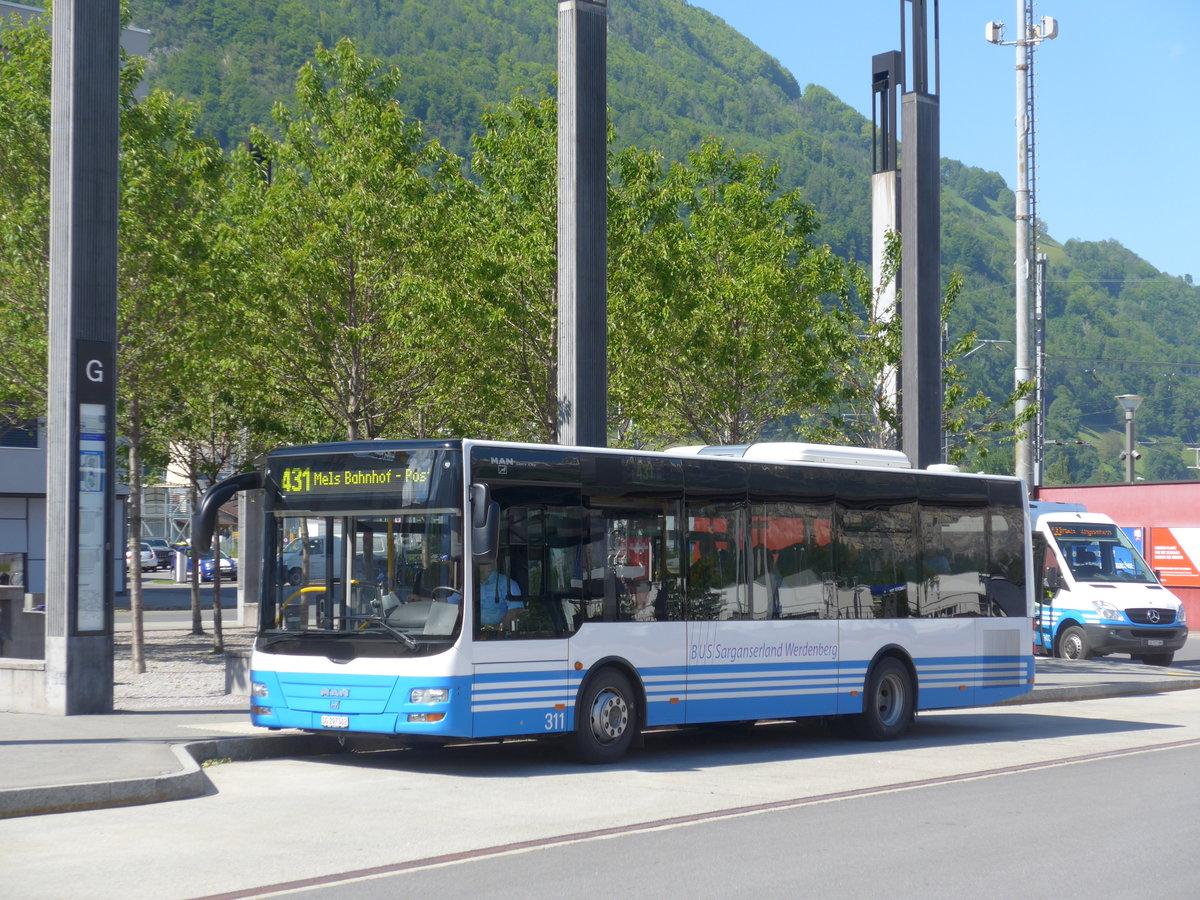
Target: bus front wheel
(889,702)
(606,719)
(1073,643)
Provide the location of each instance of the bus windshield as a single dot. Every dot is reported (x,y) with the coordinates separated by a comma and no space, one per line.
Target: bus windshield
(367,553)
(1098,552)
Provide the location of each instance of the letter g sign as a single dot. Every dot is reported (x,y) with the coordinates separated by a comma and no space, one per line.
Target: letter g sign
(94,370)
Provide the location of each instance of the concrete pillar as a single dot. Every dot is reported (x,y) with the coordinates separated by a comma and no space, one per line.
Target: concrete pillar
(82,369)
(921,282)
(921,247)
(582,223)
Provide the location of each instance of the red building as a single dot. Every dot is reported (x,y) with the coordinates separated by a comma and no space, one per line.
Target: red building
(1167,517)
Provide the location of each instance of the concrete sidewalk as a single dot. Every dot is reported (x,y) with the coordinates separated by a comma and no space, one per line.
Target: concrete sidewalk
(63,763)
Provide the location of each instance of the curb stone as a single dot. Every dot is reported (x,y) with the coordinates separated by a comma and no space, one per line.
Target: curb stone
(190,781)
(1101,691)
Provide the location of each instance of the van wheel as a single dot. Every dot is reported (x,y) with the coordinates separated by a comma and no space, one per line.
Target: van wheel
(1073,643)
(606,719)
(294,576)
(888,702)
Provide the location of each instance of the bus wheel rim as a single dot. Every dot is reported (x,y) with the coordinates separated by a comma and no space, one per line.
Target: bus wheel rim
(610,716)
(890,699)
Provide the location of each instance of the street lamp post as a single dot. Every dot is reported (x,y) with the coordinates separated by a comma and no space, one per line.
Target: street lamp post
(1129,403)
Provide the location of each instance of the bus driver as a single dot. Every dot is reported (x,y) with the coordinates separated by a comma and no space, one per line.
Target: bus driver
(497,608)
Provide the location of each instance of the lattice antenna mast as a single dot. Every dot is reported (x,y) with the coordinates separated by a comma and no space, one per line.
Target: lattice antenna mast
(1030,34)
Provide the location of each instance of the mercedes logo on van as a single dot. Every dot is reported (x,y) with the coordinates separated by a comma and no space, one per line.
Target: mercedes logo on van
(1152,616)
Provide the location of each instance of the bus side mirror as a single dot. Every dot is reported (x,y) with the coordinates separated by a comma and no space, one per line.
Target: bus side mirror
(1053,579)
(204,519)
(485,525)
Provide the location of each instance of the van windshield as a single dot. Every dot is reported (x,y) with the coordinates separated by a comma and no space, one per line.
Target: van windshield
(1100,553)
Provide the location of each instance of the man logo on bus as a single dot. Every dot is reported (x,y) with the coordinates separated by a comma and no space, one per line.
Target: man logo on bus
(335,692)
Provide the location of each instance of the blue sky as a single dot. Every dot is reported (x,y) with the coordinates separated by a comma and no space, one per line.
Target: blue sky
(1118,111)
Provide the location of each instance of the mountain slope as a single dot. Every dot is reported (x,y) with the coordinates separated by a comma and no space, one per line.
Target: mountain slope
(675,75)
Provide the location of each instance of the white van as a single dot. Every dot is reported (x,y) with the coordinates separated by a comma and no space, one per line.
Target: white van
(1097,595)
(293,559)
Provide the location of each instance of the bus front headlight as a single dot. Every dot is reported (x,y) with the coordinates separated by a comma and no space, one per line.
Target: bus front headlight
(1108,611)
(1181,615)
(429,695)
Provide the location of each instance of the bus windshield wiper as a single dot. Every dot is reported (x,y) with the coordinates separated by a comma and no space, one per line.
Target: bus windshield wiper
(403,636)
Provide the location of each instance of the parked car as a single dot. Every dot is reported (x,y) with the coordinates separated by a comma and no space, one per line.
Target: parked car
(228,567)
(162,550)
(149,559)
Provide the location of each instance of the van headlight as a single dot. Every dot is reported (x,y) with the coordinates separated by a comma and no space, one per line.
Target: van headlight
(1181,616)
(1108,611)
(429,695)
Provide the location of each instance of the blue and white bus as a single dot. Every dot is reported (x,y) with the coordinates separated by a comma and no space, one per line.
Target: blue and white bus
(478,589)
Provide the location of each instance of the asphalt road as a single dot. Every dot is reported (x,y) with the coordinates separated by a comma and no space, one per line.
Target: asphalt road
(1019,833)
(1095,797)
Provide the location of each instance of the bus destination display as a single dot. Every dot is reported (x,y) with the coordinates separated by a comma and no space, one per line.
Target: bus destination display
(1086,530)
(307,481)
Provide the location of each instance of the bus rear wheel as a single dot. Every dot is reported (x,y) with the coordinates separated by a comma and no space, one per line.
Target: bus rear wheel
(606,719)
(888,703)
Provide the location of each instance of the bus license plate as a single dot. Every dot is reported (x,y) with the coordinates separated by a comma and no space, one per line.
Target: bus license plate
(335,721)
(1154,642)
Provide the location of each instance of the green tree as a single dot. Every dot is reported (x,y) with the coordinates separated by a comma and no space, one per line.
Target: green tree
(737,337)
(24,215)
(865,414)
(1165,462)
(513,284)
(974,422)
(171,181)
(350,230)
(866,364)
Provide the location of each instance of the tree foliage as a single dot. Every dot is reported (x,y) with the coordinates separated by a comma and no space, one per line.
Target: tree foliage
(24,215)
(735,337)
(347,222)
(513,269)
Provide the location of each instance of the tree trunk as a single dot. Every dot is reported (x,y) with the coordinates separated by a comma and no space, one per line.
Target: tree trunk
(197,620)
